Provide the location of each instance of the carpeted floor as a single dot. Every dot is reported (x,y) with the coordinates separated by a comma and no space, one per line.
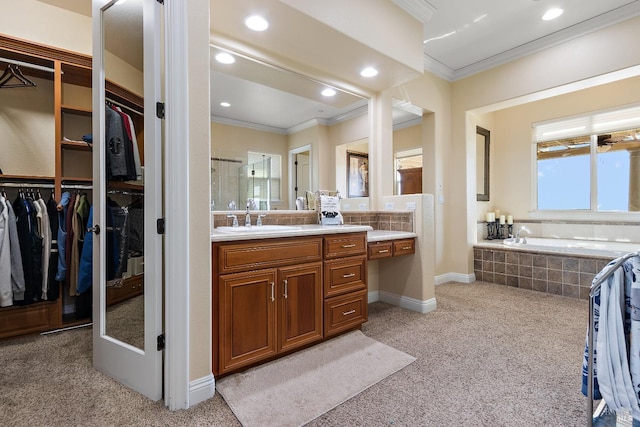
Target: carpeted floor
(489,355)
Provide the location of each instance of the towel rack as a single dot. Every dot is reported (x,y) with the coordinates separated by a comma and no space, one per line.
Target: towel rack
(595,287)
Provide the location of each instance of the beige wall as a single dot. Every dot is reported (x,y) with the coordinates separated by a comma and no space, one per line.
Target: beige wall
(407,138)
(27,129)
(42,23)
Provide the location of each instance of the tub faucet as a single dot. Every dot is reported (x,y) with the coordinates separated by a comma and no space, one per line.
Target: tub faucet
(524,239)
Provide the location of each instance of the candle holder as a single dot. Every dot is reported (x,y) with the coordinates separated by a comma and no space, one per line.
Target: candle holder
(497,231)
(491,230)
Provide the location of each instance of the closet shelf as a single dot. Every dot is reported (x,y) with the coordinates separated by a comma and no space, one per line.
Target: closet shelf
(76,110)
(18,178)
(77,179)
(75,145)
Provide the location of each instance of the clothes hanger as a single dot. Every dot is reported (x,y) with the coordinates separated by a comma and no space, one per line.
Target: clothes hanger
(14,72)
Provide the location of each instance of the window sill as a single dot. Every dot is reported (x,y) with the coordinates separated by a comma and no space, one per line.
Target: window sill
(581,215)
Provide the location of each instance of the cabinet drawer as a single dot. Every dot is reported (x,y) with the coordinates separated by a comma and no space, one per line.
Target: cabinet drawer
(404,247)
(268,253)
(345,275)
(345,312)
(341,245)
(379,250)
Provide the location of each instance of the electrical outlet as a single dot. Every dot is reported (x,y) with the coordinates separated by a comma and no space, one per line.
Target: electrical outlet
(388,206)
(411,206)
(346,206)
(362,206)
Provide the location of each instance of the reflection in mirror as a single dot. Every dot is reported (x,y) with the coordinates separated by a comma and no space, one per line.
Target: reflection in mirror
(124,197)
(407,147)
(483,138)
(264,114)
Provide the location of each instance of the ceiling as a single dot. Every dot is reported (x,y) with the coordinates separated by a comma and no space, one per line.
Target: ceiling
(462,37)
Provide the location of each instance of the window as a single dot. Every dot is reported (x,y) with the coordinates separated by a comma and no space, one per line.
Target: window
(589,163)
(264,173)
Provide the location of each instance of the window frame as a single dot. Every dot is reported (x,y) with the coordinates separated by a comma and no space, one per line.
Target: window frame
(578,214)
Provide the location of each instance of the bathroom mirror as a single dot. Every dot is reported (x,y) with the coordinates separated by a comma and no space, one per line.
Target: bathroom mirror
(483,139)
(123,66)
(407,147)
(264,119)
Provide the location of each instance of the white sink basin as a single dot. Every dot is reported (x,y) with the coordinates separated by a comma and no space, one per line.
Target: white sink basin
(255,229)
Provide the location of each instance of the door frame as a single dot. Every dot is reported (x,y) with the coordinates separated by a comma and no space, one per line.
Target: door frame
(292,157)
(139,369)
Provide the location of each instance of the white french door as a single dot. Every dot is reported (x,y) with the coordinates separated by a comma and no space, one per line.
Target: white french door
(126,55)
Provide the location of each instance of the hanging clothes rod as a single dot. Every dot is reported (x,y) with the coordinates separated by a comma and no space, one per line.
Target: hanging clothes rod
(25,185)
(126,192)
(26,64)
(119,104)
(76,187)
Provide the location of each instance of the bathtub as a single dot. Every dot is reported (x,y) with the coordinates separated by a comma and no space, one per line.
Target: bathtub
(574,247)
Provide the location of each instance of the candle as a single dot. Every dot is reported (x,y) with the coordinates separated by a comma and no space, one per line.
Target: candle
(491,217)
(502,219)
(509,219)
(496,212)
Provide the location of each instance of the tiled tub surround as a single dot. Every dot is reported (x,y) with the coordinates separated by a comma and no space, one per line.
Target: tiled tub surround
(378,220)
(561,274)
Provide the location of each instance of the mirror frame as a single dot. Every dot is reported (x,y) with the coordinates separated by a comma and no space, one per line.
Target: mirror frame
(486,134)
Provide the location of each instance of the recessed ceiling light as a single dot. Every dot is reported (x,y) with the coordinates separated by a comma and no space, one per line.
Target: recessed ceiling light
(369,72)
(256,23)
(328,92)
(552,14)
(225,104)
(225,58)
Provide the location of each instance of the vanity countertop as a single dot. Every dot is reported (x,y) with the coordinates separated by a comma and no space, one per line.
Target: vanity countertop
(300,230)
(380,235)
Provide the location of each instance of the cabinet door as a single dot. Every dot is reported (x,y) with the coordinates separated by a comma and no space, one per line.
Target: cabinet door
(247,318)
(299,305)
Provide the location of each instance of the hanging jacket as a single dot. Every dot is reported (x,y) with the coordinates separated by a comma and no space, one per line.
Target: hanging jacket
(53,289)
(17,272)
(85,269)
(115,145)
(62,235)
(44,228)
(36,249)
(6,295)
(25,225)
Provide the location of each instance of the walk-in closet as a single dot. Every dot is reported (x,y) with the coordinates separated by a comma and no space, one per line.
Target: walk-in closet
(47,191)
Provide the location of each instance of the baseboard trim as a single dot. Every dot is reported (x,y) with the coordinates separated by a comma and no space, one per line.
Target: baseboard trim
(408,303)
(201,389)
(373,296)
(455,277)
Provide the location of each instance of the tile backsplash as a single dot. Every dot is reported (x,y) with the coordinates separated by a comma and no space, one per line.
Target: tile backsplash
(378,220)
(584,230)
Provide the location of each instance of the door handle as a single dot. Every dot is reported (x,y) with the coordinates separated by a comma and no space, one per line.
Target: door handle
(286,289)
(273,295)
(95,229)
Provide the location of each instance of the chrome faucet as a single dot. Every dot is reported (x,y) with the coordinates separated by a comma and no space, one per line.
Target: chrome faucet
(247,218)
(235,219)
(259,220)
(524,239)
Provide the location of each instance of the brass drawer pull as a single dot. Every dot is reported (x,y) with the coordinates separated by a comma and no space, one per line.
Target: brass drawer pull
(273,297)
(286,289)
(383,251)
(352,245)
(345,276)
(346,313)
(406,248)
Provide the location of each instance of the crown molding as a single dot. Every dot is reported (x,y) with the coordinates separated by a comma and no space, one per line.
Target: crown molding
(249,125)
(408,123)
(613,17)
(419,9)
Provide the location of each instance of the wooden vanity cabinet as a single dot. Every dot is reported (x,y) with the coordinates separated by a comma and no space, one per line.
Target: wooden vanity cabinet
(272,307)
(272,296)
(345,282)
